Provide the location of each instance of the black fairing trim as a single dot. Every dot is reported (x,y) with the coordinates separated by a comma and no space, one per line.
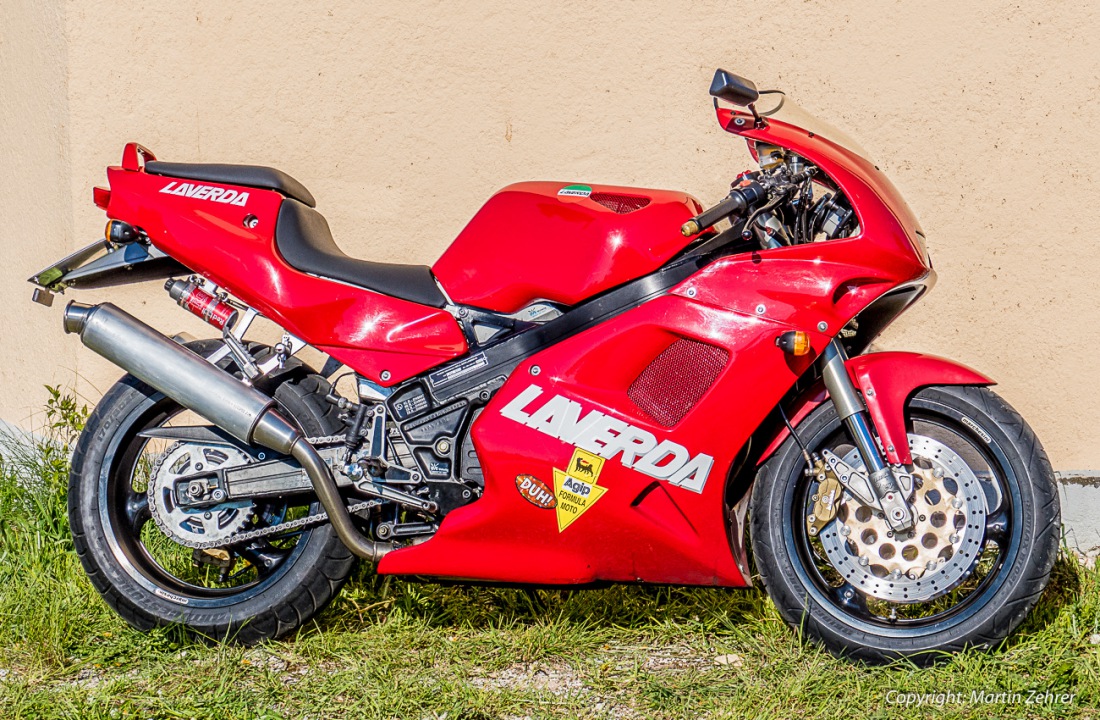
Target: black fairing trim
(303,238)
(256,176)
(874,318)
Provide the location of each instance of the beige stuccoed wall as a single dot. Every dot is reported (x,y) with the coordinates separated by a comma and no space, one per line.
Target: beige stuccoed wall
(403,117)
(36,216)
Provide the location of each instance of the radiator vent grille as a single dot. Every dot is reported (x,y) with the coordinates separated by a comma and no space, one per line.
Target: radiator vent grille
(619,203)
(676,380)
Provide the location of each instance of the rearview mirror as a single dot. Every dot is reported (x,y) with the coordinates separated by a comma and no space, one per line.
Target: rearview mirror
(733,88)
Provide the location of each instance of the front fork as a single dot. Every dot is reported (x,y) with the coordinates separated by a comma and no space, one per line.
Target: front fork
(849,404)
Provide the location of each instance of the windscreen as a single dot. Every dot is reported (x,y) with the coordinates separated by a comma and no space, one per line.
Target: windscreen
(775,104)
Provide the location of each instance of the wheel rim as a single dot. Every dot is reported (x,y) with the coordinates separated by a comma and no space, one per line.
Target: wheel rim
(999,536)
(145,553)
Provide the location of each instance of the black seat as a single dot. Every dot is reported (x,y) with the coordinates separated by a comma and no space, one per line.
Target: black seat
(305,242)
(255,176)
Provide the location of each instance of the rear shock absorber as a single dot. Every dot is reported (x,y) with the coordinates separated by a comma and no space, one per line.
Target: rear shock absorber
(193,298)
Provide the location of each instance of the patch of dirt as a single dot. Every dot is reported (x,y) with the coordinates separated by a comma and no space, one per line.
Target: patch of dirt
(555,678)
(259,658)
(89,679)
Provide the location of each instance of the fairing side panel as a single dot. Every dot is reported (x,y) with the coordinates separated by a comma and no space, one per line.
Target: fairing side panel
(641,528)
(531,242)
(369,332)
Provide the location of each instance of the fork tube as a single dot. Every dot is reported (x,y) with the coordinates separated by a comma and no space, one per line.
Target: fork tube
(850,406)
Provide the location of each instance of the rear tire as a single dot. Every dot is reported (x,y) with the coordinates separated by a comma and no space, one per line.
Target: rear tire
(303,582)
(983,618)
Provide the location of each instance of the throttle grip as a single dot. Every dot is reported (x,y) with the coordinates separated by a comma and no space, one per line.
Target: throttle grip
(737,201)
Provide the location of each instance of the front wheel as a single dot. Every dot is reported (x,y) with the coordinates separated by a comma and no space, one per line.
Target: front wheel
(976,561)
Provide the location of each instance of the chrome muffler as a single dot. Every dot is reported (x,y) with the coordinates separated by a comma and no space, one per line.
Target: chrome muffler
(242,411)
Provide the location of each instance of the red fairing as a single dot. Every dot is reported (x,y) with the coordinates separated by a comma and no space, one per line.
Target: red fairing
(560,242)
(888,379)
(642,527)
(369,332)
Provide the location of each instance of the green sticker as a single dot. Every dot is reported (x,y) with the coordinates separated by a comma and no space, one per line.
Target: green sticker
(575,191)
(48,277)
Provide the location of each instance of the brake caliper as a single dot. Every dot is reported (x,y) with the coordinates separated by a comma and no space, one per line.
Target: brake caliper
(826,498)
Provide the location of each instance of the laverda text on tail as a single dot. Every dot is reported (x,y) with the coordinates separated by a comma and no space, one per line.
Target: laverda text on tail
(593,384)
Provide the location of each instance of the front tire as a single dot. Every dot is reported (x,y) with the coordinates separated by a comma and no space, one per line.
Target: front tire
(994,593)
(128,559)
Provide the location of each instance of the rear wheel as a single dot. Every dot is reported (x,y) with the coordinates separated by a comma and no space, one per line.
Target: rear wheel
(136,543)
(976,561)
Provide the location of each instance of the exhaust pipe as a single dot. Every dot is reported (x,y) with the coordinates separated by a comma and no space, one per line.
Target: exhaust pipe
(242,411)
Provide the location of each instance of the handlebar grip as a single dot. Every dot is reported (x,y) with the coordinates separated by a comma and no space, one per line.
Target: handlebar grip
(734,202)
(739,199)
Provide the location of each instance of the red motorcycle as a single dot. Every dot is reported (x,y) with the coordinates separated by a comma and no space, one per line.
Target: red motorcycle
(593,384)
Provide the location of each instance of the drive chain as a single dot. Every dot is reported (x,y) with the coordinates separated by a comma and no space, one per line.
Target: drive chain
(250,535)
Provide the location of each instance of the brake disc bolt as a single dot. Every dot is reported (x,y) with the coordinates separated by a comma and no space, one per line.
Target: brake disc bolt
(849,594)
(956,503)
(930,566)
(954,539)
(937,473)
(864,562)
(207,515)
(845,530)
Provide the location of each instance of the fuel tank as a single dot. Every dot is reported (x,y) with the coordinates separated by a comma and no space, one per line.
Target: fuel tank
(562,242)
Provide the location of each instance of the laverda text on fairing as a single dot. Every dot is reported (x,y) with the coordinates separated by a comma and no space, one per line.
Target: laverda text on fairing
(593,384)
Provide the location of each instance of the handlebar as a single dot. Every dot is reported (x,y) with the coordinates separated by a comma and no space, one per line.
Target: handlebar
(739,199)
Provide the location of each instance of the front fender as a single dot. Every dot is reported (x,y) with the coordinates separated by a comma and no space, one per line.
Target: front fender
(888,379)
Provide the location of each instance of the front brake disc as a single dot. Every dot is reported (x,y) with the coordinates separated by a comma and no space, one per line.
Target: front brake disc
(936,554)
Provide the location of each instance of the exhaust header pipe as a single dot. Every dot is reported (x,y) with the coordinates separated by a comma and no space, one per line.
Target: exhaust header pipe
(242,411)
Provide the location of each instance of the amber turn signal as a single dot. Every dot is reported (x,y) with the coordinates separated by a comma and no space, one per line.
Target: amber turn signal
(120,233)
(794,342)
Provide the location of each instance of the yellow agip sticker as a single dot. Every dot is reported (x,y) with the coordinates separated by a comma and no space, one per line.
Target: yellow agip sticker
(576,487)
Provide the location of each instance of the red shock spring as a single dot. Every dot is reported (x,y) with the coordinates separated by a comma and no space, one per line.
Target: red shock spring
(197,301)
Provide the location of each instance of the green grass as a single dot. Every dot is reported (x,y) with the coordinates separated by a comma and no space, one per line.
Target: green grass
(392,649)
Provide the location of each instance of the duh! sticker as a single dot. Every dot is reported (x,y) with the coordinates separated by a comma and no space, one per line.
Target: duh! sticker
(576,487)
(535,492)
